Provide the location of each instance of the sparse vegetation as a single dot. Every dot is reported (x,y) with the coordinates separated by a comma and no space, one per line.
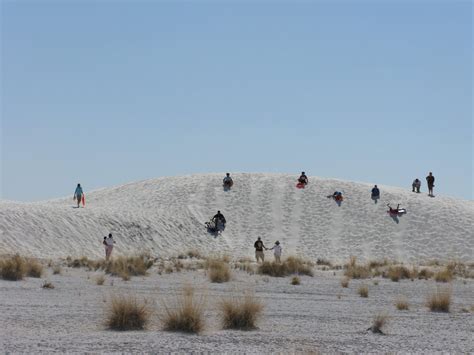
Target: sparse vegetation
(402,304)
(345,282)
(48,284)
(126,313)
(35,269)
(295,280)
(240,313)
(99,280)
(356,271)
(395,273)
(186,315)
(445,275)
(13,268)
(440,300)
(380,320)
(363,291)
(219,270)
(129,266)
(292,265)
(425,274)
(57,270)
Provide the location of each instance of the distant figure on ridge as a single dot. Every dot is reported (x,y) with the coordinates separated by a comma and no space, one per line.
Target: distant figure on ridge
(277,251)
(337,196)
(227,182)
(430,179)
(109,246)
(375,193)
(302,181)
(258,245)
(79,196)
(416,185)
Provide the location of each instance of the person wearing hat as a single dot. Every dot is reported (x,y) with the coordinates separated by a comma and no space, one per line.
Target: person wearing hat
(259,250)
(277,251)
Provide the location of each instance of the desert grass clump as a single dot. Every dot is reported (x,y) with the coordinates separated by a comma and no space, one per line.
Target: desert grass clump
(396,273)
(48,285)
(425,274)
(345,282)
(445,275)
(186,315)
(35,269)
(240,313)
(440,300)
(127,313)
(295,280)
(402,304)
(379,321)
(57,270)
(292,265)
(129,266)
(363,291)
(356,271)
(219,270)
(99,280)
(13,268)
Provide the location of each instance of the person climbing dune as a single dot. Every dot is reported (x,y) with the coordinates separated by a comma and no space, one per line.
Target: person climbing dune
(227,181)
(375,194)
(79,195)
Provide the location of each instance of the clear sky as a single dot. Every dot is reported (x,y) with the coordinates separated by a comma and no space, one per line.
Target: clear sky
(109,92)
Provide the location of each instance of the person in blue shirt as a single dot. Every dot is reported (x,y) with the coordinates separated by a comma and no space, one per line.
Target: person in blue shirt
(375,193)
(78,194)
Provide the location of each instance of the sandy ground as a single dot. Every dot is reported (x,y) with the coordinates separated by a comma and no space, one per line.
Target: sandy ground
(318,315)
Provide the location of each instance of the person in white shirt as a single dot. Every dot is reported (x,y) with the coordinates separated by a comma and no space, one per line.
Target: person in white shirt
(109,246)
(277,251)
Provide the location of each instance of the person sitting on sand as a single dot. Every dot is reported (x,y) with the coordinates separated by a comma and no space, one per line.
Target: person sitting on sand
(109,246)
(277,251)
(228,182)
(219,217)
(303,179)
(416,185)
(259,250)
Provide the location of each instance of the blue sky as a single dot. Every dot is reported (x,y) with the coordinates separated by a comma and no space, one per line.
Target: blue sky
(107,92)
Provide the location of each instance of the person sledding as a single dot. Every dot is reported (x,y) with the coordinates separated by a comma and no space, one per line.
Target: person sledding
(375,194)
(302,180)
(227,182)
(396,211)
(79,196)
(217,223)
(337,196)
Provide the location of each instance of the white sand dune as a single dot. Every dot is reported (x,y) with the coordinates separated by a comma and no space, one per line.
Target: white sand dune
(166,216)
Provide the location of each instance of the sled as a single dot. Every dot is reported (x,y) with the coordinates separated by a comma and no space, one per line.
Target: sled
(397,213)
(213,228)
(300,185)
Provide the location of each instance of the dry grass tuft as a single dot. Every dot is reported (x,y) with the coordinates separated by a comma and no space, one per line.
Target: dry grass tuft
(57,270)
(440,300)
(356,271)
(295,280)
(363,291)
(35,269)
(395,273)
(445,275)
(292,265)
(380,320)
(402,304)
(99,280)
(186,315)
(48,284)
(240,313)
(219,270)
(345,282)
(126,313)
(425,274)
(129,266)
(13,268)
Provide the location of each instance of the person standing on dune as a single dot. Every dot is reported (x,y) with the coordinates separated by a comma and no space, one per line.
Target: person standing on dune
(430,179)
(109,246)
(277,252)
(259,250)
(78,195)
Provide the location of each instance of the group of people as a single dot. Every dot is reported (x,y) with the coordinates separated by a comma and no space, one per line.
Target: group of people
(259,247)
(430,179)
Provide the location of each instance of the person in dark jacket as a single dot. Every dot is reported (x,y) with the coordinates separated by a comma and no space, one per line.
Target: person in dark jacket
(375,193)
(78,194)
(219,217)
(303,179)
(430,179)
(258,245)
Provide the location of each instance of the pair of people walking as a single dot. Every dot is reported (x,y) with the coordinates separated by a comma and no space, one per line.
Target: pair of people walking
(259,247)
(108,246)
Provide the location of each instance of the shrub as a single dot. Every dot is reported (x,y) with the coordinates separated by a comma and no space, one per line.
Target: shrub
(345,282)
(355,271)
(99,280)
(402,304)
(445,275)
(378,323)
(187,315)
(219,271)
(395,273)
(127,314)
(35,269)
(48,284)
(13,268)
(292,265)
(295,280)
(439,301)
(240,313)
(129,266)
(57,270)
(194,254)
(363,291)
(425,274)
